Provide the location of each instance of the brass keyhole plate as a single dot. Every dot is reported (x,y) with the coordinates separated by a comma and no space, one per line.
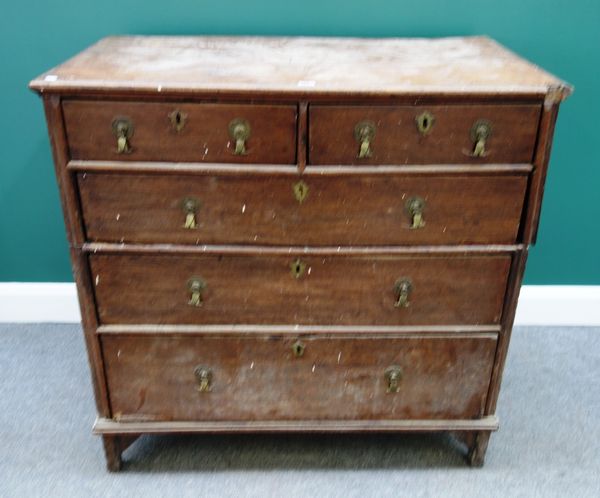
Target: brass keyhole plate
(297,267)
(298,349)
(178,119)
(425,122)
(300,191)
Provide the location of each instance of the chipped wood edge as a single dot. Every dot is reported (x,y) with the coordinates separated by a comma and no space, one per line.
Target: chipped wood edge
(556,94)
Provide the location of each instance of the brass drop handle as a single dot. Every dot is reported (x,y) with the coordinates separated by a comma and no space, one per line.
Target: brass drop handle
(415,207)
(190,207)
(123,130)
(196,287)
(365,148)
(203,378)
(298,349)
(393,375)
(364,132)
(403,288)
(239,130)
(480,132)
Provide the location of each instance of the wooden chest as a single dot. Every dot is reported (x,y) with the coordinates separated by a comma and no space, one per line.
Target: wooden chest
(298,234)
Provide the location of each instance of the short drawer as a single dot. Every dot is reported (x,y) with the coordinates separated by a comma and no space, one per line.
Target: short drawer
(276,378)
(420,135)
(220,133)
(307,289)
(370,209)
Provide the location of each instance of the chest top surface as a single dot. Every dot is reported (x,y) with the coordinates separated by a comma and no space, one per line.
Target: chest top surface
(300,65)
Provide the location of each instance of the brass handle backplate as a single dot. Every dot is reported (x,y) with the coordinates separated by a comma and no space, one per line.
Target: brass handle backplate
(123,129)
(203,378)
(480,132)
(364,132)
(298,349)
(393,375)
(196,287)
(402,288)
(239,130)
(425,122)
(178,120)
(190,208)
(415,207)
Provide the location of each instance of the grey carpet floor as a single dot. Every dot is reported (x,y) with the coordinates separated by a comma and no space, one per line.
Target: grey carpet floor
(548,443)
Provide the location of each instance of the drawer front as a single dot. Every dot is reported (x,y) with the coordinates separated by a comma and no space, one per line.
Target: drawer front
(202,133)
(374,209)
(391,134)
(263,378)
(314,290)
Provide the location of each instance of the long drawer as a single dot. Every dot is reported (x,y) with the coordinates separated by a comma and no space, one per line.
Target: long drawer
(276,378)
(373,135)
(365,209)
(310,289)
(160,131)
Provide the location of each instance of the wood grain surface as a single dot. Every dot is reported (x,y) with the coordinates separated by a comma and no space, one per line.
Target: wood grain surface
(398,141)
(349,239)
(338,210)
(66,182)
(300,65)
(108,426)
(260,378)
(205,136)
(335,290)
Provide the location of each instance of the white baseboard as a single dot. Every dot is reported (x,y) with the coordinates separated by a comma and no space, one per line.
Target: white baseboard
(559,305)
(22,302)
(550,305)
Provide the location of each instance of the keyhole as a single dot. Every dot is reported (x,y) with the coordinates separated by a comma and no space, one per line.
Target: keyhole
(300,190)
(177,119)
(297,268)
(298,349)
(425,122)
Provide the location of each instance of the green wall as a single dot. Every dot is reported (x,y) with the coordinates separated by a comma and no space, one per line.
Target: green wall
(562,36)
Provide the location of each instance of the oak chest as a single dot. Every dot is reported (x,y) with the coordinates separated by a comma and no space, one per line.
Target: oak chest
(298,234)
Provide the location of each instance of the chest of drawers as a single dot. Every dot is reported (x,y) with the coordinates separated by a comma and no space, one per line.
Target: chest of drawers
(298,234)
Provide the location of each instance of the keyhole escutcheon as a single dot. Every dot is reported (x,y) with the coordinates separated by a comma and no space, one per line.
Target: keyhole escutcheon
(178,120)
(300,191)
(298,267)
